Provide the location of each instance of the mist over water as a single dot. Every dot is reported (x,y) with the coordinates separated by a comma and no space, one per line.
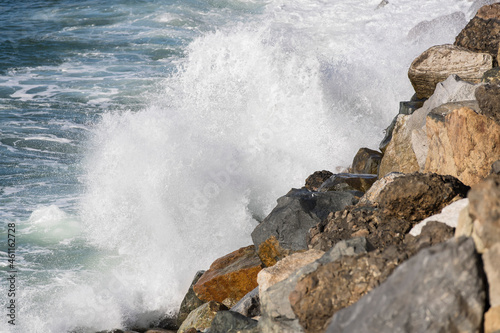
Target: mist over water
(264,94)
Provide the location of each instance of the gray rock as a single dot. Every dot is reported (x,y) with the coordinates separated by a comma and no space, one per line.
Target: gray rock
(249,305)
(296,213)
(441,289)
(190,301)
(348,182)
(277,313)
(231,322)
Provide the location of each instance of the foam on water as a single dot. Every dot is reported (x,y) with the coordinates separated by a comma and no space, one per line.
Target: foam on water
(253,107)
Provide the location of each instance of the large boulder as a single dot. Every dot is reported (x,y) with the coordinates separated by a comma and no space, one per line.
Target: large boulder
(482,33)
(230,277)
(314,181)
(294,215)
(462,143)
(488,98)
(438,62)
(407,301)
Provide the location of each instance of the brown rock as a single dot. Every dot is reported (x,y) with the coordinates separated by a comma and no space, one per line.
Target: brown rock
(201,318)
(231,276)
(484,208)
(272,275)
(348,182)
(336,285)
(438,62)
(492,76)
(399,155)
(482,33)
(488,97)
(366,161)
(492,320)
(314,181)
(270,252)
(374,191)
(462,143)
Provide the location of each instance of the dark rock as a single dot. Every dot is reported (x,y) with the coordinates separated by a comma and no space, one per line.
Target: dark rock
(441,289)
(495,167)
(366,161)
(348,182)
(314,181)
(296,213)
(231,322)
(190,301)
(492,76)
(482,33)
(249,305)
(230,277)
(488,97)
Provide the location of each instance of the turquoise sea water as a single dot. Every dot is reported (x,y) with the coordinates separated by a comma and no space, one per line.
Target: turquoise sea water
(140,140)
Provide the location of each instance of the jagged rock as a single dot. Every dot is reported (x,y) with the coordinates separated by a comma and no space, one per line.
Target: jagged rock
(438,62)
(231,322)
(230,277)
(277,314)
(190,301)
(492,76)
(449,216)
(488,98)
(402,203)
(492,269)
(366,161)
(270,251)
(406,301)
(492,320)
(482,33)
(374,191)
(399,156)
(284,268)
(338,284)
(314,181)
(201,318)
(295,213)
(249,305)
(462,143)
(348,182)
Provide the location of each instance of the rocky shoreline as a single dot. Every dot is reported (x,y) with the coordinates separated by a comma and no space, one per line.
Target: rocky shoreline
(407,241)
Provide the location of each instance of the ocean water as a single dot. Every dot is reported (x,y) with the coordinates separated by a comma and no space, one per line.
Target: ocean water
(141,140)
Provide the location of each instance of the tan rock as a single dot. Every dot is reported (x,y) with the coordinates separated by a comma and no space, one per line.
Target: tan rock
(201,318)
(492,320)
(438,62)
(231,276)
(464,224)
(374,191)
(399,155)
(492,268)
(462,143)
(284,268)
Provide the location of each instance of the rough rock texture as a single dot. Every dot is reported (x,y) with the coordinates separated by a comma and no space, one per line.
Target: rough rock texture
(314,181)
(462,143)
(464,224)
(484,209)
(402,203)
(482,33)
(407,301)
(231,322)
(249,305)
(284,268)
(492,76)
(438,62)
(374,191)
(277,314)
(488,97)
(338,284)
(449,216)
(201,318)
(366,161)
(190,301)
(399,156)
(491,259)
(492,320)
(230,277)
(348,182)
(295,213)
